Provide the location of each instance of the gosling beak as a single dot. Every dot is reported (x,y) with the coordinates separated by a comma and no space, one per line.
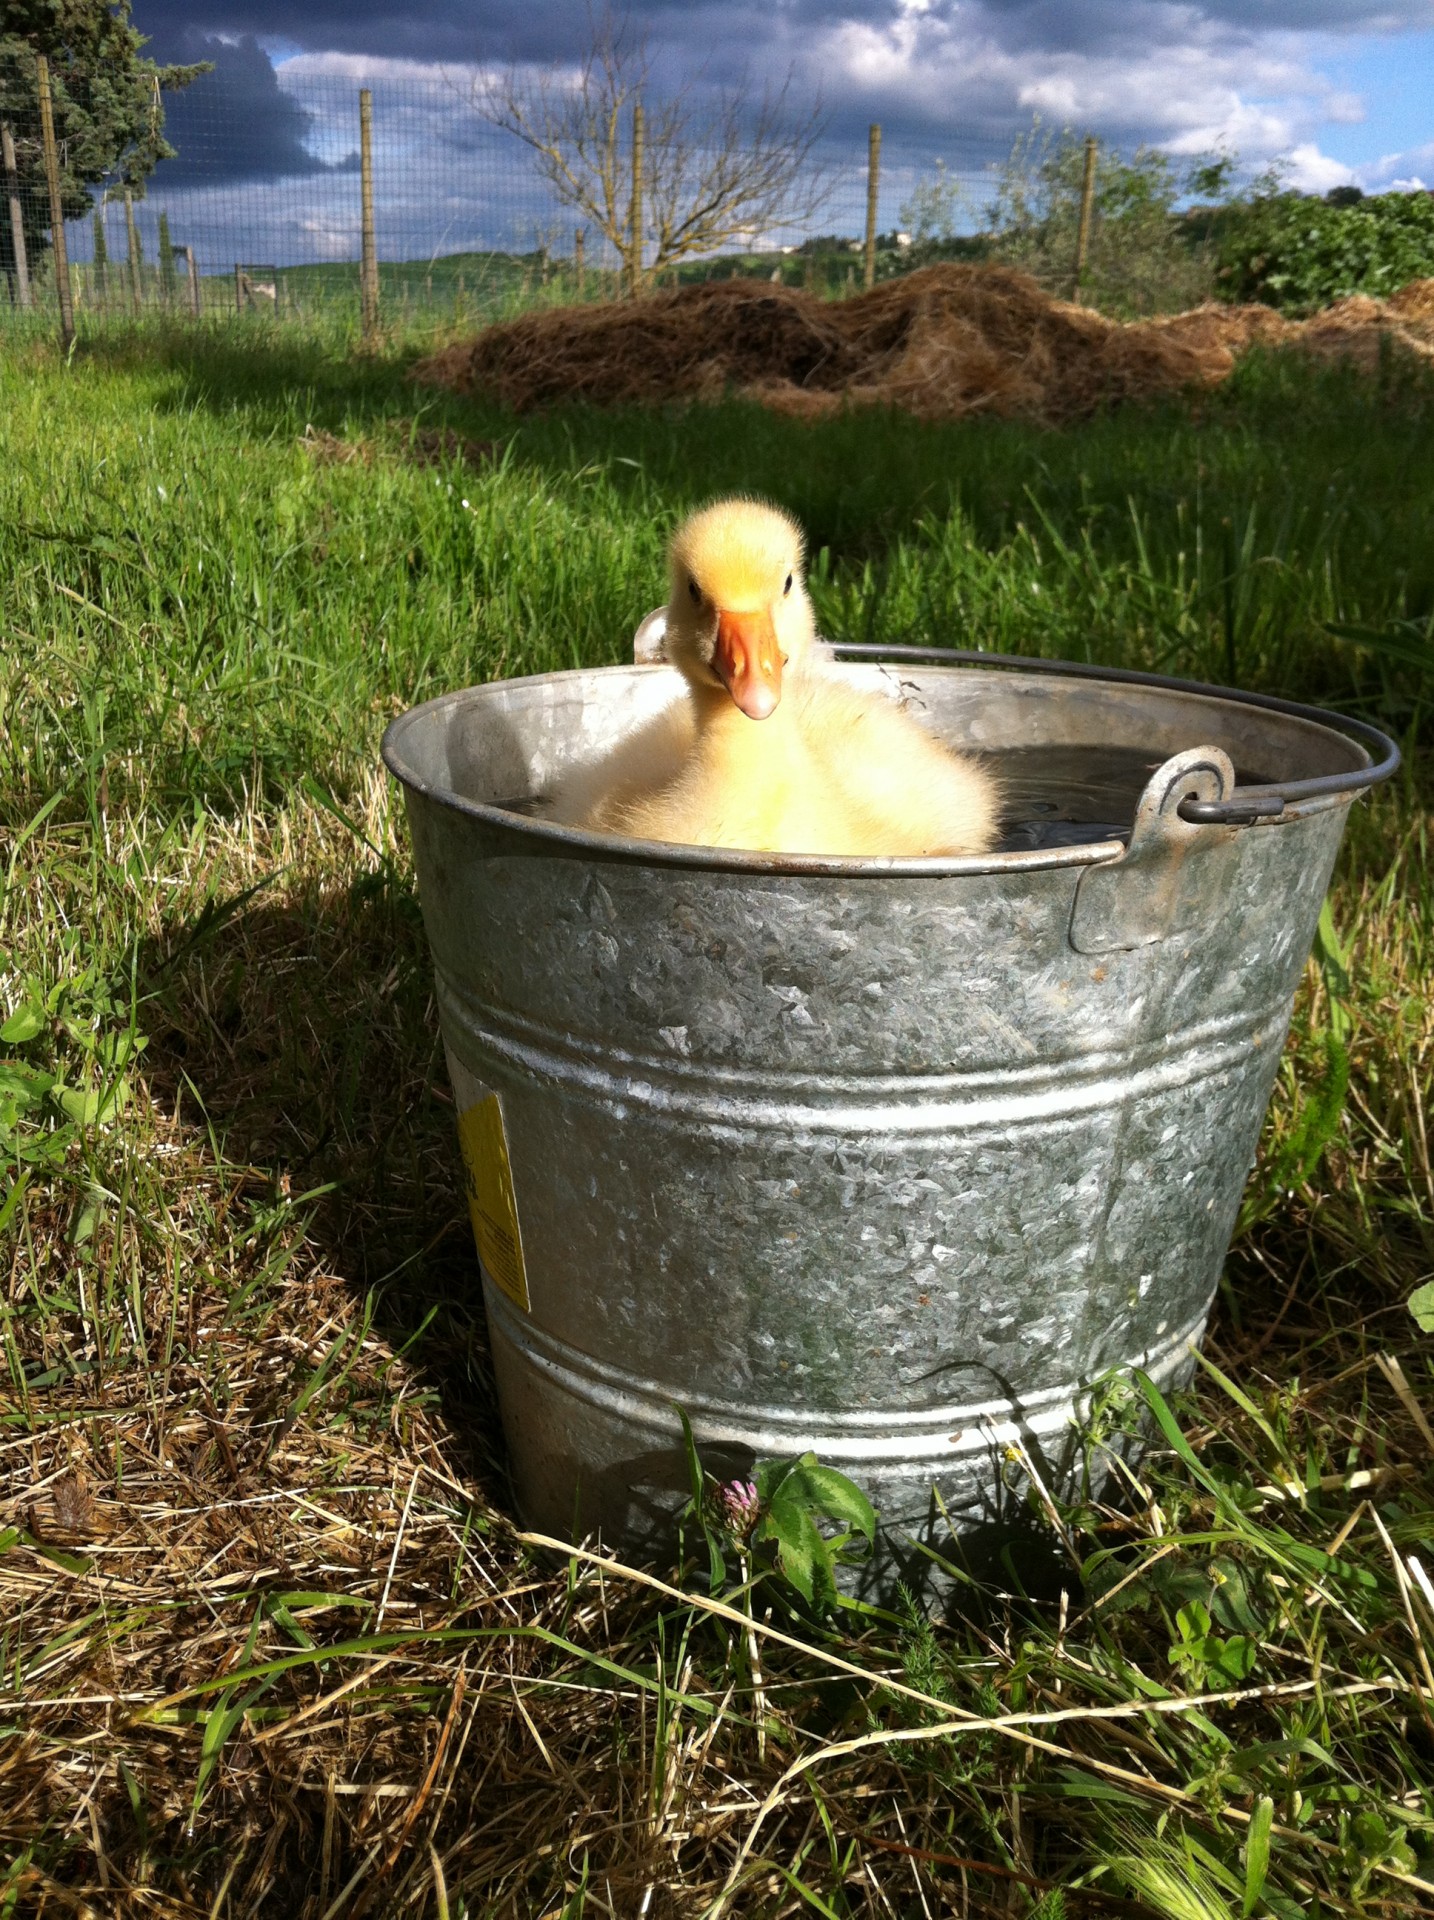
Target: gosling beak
(749,660)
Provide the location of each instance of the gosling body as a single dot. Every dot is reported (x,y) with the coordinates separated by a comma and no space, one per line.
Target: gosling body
(769,748)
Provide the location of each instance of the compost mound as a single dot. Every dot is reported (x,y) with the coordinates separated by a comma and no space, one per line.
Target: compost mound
(942,343)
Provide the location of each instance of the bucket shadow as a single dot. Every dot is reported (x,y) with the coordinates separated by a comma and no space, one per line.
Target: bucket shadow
(997,1553)
(971,1554)
(303,1028)
(956,1551)
(1000,1557)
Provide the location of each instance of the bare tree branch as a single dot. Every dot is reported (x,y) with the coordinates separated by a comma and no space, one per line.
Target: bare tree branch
(719,168)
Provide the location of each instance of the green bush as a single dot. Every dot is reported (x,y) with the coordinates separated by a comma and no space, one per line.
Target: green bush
(1142,257)
(1298,253)
(1150,250)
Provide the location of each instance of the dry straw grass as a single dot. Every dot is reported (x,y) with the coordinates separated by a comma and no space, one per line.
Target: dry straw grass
(423,446)
(941,343)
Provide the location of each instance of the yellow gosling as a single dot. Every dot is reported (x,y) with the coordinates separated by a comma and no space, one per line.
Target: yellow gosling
(770,749)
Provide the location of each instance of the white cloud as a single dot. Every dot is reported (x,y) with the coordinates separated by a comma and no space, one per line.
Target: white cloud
(1399,172)
(367,70)
(1174,73)
(1311,171)
(1345,109)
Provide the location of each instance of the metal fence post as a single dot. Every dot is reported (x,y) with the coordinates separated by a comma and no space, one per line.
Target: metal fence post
(17,219)
(57,206)
(1087,203)
(368,267)
(636,218)
(873,181)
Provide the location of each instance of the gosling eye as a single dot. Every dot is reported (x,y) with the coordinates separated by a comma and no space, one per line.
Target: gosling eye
(787,589)
(696,592)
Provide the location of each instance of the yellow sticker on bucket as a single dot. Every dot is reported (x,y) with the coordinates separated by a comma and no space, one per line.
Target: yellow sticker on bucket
(491,1206)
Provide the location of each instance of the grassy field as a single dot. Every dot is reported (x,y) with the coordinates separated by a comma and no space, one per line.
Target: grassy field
(269,1642)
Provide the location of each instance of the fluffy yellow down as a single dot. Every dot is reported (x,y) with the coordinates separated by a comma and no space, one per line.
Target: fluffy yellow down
(834,770)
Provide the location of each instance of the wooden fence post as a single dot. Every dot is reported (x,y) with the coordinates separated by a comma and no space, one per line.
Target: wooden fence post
(580,272)
(57,206)
(238,287)
(101,261)
(873,180)
(168,280)
(136,290)
(17,219)
(368,268)
(1087,204)
(635,220)
(195,301)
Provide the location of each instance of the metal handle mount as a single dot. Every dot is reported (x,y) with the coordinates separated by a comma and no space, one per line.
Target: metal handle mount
(1174,873)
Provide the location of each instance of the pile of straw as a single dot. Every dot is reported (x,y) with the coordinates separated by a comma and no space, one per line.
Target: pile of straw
(941,343)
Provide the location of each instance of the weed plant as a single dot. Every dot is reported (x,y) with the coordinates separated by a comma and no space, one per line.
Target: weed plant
(270,1641)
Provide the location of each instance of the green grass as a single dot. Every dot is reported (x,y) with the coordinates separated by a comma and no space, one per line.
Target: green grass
(267,1635)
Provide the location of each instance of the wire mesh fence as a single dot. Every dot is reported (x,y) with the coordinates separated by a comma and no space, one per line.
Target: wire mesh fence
(263,214)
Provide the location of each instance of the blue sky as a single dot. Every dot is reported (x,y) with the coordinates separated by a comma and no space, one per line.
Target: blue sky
(1393,74)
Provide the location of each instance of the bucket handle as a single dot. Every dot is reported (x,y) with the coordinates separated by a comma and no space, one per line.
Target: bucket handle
(1240,806)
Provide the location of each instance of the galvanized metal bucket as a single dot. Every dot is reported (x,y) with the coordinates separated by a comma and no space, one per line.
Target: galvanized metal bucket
(890,1159)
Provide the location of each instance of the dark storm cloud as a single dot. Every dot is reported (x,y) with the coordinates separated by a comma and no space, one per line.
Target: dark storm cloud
(235,123)
(452,30)
(455,30)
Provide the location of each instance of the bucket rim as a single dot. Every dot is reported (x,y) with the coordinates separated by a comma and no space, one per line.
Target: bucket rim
(1245,805)
(1271,804)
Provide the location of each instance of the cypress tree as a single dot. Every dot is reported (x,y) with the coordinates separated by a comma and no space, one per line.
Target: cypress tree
(108,121)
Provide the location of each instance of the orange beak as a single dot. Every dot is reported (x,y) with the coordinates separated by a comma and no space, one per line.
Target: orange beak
(749,660)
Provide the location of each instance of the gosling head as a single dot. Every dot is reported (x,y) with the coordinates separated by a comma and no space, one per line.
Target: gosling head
(737,609)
